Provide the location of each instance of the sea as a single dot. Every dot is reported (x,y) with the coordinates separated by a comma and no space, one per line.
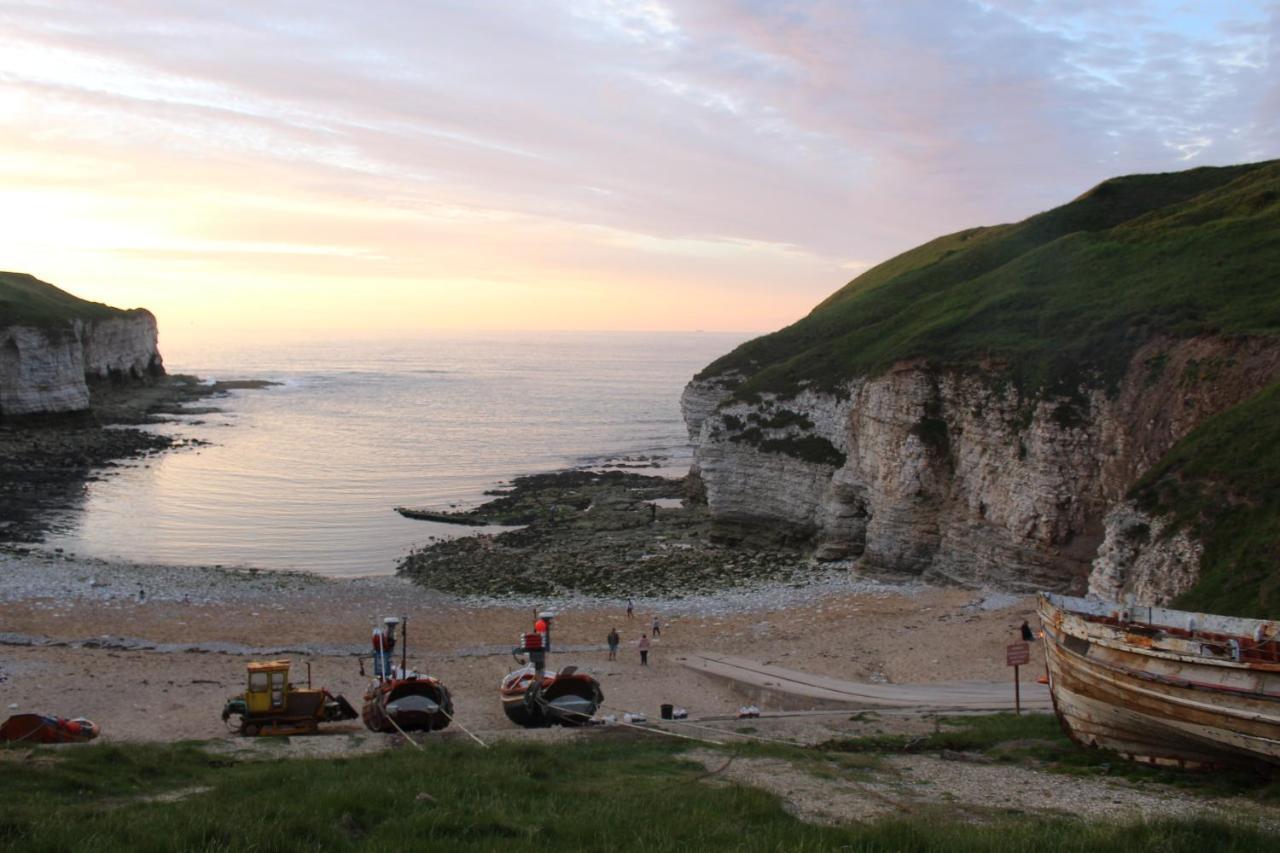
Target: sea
(306,475)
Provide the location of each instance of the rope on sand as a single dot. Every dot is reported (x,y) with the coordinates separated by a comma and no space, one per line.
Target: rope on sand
(654,730)
(658,731)
(454,719)
(738,734)
(416,745)
(707,728)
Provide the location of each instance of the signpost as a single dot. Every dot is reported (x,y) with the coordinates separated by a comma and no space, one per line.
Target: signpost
(1016,655)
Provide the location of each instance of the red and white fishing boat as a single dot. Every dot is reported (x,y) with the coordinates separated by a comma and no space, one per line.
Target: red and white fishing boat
(1164,686)
(534,696)
(567,697)
(400,699)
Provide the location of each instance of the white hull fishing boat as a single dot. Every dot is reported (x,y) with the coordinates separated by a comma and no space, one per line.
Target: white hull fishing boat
(1164,686)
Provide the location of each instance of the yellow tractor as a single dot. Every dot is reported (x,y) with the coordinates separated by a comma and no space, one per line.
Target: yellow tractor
(273,706)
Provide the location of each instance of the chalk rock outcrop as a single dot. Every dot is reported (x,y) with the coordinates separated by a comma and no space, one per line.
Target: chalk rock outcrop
(954,475)
(48,369)
(1140,558)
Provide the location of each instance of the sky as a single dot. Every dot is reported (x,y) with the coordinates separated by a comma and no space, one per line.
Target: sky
(346,170)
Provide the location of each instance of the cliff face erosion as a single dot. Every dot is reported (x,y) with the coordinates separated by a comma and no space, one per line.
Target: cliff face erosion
(53,346)
(980,410)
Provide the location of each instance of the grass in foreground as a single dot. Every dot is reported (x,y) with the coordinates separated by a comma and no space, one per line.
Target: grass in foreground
(615,792)
(1038,740)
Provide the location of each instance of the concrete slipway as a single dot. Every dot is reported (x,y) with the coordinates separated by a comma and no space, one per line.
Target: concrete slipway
(788,689)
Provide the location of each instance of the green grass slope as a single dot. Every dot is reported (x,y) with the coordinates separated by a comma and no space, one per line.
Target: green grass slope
(28,301)
(1222,481)
(608,793)
(1063,297)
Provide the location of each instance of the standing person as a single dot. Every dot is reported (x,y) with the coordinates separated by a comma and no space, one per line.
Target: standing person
(614,639)
(657,629)
(384,644)
(1027,635)
(631,609)
(643,645)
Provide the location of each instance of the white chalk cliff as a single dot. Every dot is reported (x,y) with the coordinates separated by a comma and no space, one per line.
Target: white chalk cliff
(953,475)
(48,369)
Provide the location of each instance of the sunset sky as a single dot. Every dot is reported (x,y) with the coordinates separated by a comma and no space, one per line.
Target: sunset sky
(383,168)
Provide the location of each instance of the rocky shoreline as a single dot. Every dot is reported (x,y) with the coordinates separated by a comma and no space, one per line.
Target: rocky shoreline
(47,461)
(609,534)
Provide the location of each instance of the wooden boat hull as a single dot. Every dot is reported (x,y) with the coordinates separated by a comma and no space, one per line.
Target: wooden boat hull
(565,699)
(1164,686)
(411,704)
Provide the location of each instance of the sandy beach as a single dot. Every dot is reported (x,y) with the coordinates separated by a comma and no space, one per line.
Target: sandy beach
(151,652)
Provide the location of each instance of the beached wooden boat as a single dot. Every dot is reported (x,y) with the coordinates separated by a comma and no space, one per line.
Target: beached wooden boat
(567,697)
(1164,686)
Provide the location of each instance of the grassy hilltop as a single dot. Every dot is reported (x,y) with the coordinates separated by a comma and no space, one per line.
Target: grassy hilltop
(26,300)
(1062,297)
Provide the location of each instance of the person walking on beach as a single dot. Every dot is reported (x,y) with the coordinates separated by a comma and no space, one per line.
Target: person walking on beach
(631,609)
(643,645)
(614,639)
(657,629)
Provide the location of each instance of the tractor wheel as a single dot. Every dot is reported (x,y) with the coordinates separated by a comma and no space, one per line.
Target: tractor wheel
(250,730)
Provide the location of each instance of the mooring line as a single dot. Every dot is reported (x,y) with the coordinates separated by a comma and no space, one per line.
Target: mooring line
(416,745)
(738,734)
(453,719)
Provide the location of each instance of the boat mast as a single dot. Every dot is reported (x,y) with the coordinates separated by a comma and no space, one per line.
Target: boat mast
(404,646)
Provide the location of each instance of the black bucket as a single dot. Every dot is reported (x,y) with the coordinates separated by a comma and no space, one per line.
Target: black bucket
(667,711)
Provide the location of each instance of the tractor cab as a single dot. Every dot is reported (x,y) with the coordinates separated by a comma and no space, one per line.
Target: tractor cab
(268,687)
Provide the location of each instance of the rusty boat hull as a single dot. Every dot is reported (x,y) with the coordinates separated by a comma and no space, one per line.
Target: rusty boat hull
(1164,686)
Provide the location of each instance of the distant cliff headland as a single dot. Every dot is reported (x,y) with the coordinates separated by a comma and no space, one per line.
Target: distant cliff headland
(69,367)
(54,345)
(1085,399)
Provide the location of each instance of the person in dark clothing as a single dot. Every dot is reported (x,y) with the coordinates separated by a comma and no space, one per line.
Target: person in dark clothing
(613,639)
(1028,635)
(631,609)
(657,629)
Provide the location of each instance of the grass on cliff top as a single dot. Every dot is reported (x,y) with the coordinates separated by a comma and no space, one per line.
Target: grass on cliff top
(1061,298)
(1222,482)
(607,793)
(25,300)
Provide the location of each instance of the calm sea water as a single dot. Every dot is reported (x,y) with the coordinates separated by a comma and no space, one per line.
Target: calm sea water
(306,475)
